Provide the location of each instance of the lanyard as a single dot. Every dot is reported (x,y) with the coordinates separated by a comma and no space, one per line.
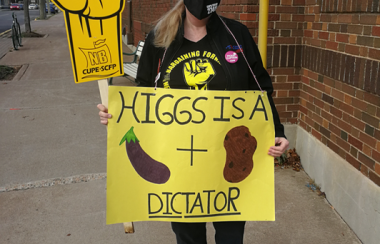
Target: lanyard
(158,70)
(241,50)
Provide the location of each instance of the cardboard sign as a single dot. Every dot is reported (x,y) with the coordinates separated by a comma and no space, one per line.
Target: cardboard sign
(189,156)
(94,35)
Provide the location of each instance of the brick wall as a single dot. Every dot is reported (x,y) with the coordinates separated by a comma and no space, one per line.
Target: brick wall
(144,15)
(285,35)
(324,60)
(340,80)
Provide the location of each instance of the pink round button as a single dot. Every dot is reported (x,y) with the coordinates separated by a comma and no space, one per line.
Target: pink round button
(231,57)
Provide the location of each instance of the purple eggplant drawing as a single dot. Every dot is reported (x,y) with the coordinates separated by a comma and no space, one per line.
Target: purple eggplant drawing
(148,168)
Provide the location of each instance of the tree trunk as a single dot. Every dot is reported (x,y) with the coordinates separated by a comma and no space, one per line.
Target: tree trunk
(28,28)
(48,7)
(42,9)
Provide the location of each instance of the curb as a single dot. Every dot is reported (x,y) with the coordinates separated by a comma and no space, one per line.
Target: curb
(54,182)
(21,72)
(5,32)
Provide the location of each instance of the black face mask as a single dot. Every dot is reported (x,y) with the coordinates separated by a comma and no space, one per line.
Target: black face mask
(201,8)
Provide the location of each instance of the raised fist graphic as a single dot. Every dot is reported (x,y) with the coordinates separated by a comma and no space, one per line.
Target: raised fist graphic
(92,8)
(94,35)
(198,73)
(69,5)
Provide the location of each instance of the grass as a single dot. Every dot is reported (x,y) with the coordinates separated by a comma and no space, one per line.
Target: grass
(5,71)
(31,34)
(282,159)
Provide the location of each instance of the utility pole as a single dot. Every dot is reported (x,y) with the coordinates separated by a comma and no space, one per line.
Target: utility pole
(48,6)
(28,28)
(42,9)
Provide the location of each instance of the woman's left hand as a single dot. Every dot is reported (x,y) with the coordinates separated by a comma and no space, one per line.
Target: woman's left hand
(281,144)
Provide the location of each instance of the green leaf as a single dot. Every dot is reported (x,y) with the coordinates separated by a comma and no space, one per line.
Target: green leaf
(129,136)
(283,156)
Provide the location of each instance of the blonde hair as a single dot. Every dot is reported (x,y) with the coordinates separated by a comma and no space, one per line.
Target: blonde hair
(167,27)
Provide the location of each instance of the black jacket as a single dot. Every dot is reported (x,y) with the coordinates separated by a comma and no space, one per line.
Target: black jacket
(238,75)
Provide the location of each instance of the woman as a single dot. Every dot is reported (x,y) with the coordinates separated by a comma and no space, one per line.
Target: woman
(188,50)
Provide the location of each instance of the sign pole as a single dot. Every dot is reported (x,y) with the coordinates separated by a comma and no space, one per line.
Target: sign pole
(103,89)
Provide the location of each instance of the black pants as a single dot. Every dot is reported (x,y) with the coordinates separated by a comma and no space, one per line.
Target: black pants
(195,233)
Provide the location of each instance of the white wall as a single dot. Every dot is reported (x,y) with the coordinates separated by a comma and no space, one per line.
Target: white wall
(355,197)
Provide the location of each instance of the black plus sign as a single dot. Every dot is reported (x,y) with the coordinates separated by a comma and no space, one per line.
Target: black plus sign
(192,150)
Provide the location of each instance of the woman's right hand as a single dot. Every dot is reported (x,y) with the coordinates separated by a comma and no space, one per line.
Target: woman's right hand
(103,114)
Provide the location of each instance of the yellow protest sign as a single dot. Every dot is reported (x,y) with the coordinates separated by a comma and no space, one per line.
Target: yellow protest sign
(94,35)
(189,155)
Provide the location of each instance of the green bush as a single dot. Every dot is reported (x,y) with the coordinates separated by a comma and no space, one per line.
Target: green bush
(5,70)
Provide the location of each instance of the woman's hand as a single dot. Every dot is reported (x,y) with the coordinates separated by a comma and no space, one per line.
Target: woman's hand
(104,115)
(281,144)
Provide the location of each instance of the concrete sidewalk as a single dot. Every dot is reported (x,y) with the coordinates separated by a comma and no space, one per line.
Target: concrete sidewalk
(53,163)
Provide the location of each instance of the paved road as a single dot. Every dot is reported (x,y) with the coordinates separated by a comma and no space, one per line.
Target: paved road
(6,18)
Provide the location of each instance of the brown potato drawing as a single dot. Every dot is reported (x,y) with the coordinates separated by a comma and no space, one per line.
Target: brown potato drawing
(240,146)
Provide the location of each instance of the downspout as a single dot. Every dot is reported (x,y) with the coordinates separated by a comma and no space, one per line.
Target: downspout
(127,30)
(263,30)
(129,21)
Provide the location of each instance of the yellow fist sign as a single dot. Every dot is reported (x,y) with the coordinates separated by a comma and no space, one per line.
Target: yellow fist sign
(198,73)
(94,36)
